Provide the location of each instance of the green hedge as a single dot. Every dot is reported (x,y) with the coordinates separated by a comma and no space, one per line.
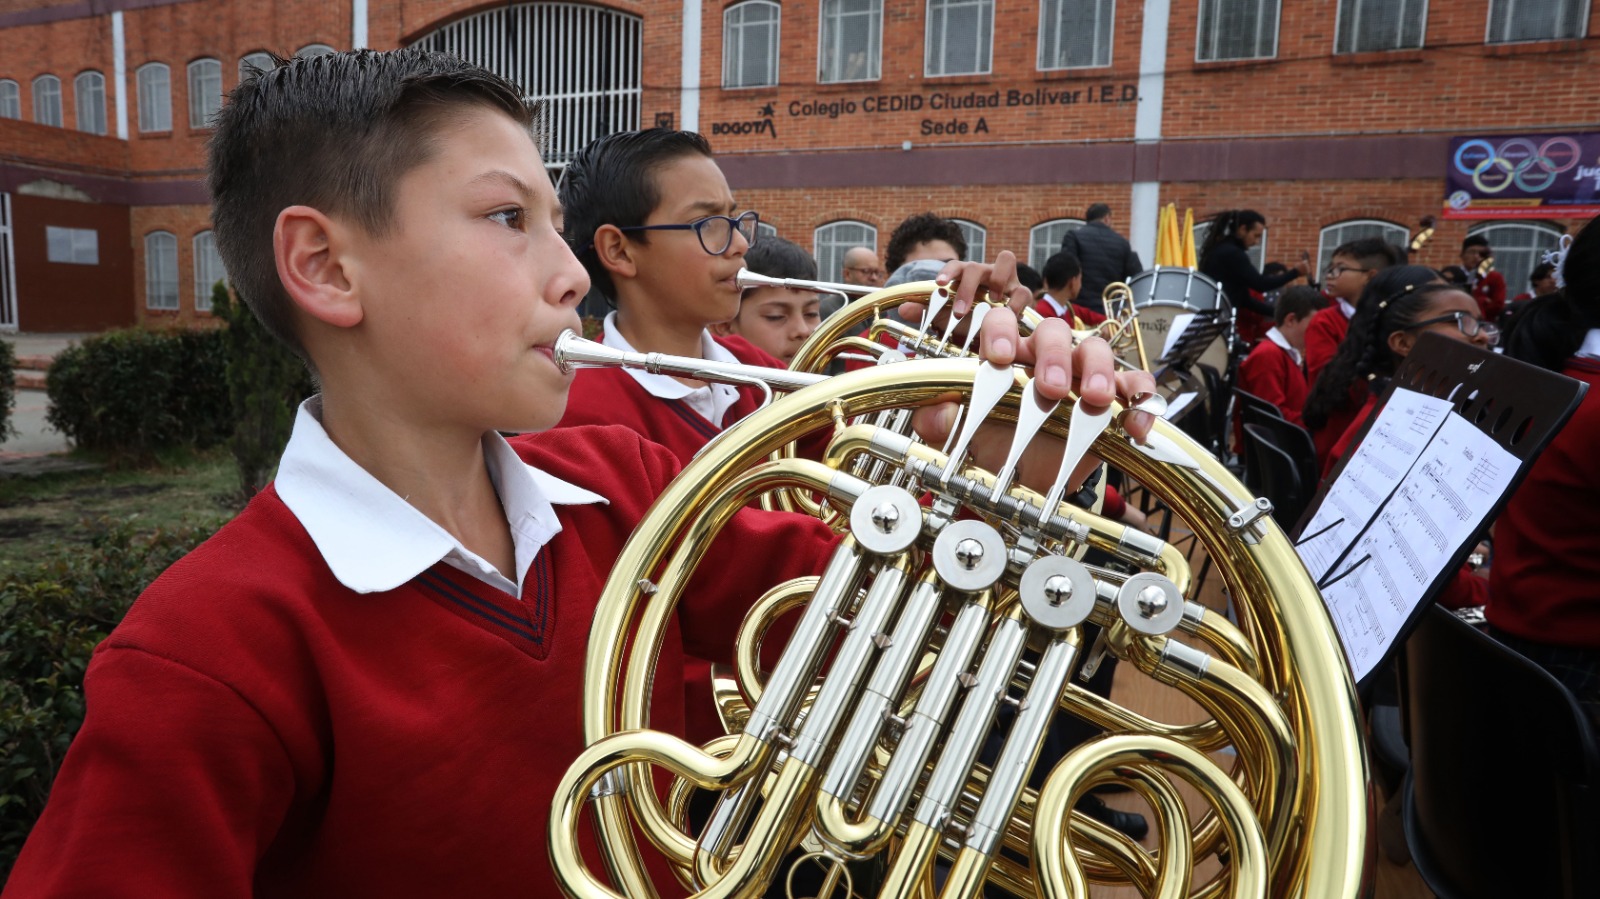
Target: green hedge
(130,393)
(8,388)
(265,383)
(51,618)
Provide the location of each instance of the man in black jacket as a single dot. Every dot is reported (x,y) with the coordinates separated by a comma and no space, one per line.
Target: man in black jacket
(1105,255)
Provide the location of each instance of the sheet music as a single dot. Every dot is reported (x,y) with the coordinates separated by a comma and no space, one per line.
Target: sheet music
(1439,505)
(1408,421)
(1180,323)
(1178,404)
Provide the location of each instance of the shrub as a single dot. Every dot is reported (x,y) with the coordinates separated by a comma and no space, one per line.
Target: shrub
(8,389)
(51,617)
(265,384)
(130,393)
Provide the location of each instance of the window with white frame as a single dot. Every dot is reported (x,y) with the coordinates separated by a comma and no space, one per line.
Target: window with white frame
(1342,233)
(1518,247)
(259,61)
(960,37)
(1237,29)
(208,270)
(89,101)
(1370,25)
(10,99)
(72,246)
(750,44)
(1257,253)
(47,100)
(310,50)
(766,229)
(1044,240)
(977,238)
(1536,20)
(1075,34)
(205,92)
(160,270)
(155,97)
(831,241)
(851,46)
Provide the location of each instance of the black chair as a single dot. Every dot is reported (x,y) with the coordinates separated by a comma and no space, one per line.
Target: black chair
(1245,400)
(1503,795)
(1292,439)
(1277,474)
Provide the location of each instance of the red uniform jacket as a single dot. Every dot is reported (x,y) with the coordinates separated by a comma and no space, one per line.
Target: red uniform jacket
(1088,316)
(1272,374)
(1466,589)
(256,729)
(1490,292)
(1323,336)
(1547,561)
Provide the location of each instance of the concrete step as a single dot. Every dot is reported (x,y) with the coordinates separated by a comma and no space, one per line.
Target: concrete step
(29,380)
(34,363)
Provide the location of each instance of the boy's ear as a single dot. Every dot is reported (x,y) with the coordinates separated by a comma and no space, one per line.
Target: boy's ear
(308,248)
(615,252)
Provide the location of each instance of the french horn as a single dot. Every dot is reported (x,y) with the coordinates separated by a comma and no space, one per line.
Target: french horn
(955,591)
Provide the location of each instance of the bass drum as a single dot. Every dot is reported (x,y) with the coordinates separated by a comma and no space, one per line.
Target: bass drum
(1164,293)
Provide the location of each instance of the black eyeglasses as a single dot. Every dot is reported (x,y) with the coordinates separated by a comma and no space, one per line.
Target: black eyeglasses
(1337,269)
(1471,326)
(715,231)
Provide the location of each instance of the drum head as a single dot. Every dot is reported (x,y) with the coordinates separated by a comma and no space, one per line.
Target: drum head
(1156,322)
(1172,285)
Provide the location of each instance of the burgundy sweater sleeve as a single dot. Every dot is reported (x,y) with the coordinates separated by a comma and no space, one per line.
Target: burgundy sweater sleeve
(1322,342)
(174,787)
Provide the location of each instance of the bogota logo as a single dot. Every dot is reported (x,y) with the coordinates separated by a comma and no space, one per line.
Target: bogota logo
(765,125)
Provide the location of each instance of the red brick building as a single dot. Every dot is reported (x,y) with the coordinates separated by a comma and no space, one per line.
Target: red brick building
(834,118)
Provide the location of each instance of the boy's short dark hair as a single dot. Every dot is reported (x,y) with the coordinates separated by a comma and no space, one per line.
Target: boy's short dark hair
(1096,212)
(1540,272)
(1298,301)
(337,133)
(1061,268)
(1474,240)
(778,258)
(1370,252)
(1455,274)
(612,181)
(922,228)
(1029,278)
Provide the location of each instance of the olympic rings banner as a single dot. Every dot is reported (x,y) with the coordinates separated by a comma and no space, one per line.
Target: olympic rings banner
(1523,176)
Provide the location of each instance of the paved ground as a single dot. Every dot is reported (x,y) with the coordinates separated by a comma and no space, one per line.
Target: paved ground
(37,438)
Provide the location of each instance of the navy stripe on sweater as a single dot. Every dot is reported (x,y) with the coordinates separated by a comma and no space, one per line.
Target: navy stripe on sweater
(484,609)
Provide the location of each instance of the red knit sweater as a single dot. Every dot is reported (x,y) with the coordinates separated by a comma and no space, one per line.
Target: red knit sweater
(256,729)
(1272,374)
(1323,336)
(1547,564)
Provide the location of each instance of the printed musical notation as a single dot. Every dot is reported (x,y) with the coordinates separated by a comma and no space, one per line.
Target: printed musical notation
(1406,543)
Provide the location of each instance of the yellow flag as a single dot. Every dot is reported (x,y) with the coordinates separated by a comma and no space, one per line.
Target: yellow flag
(1189,258)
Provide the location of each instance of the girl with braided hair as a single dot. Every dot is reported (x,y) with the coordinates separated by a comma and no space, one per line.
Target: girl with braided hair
(1340,387)
(1547,557)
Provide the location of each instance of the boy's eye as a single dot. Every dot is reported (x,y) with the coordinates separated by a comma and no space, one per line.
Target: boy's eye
(511,218)
(775,319)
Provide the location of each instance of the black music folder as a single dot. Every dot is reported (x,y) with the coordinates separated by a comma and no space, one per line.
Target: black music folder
(1457,429)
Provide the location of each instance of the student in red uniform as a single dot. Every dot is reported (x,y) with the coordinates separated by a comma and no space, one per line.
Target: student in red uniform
(1274,370)
(1063,278)
(776,320)
(1351,267)
(369,682)
(1488,288)
(1547,556)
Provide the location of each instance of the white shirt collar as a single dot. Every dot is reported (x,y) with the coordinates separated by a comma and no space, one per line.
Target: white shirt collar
(1591,344)
(711,401)
(1345,307)
(1060,309)
(373,540)
(1276,336)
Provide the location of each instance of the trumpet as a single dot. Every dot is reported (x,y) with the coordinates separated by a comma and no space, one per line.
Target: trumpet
(748,279)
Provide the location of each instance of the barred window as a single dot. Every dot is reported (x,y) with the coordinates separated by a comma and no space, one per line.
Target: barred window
(10,99)
(89,101)
(259,61)
(1075,34)
(47,100)
(310,50)
(977,238)
(205,92)
(155,97)
(1518,247)
(960,37)
(160,270)
(851,46)
(1368,25)
(1044,240)
(1536,20)
(750,44)
(765,230)
(1334,236)
(831,241)
(1237,29)
(208,269)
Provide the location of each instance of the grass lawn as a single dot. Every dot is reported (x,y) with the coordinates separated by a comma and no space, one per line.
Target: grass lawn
(39,516)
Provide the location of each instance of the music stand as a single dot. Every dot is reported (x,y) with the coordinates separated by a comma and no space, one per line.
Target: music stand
(1519,406)
(1196,338)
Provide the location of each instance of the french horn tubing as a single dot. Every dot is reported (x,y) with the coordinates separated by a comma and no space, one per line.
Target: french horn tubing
(954,591)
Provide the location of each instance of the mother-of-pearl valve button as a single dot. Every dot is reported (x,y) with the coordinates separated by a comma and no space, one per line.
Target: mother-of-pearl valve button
(969,555)
(1057,592)
(886,519)
(1150,603)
